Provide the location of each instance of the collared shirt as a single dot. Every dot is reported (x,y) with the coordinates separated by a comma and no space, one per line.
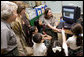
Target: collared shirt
(52,21)
(8,37)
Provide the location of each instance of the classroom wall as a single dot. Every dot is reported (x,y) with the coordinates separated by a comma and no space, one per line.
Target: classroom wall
(75,3)
(56,6)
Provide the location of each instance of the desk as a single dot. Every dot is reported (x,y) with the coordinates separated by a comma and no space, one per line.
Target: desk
(67,31)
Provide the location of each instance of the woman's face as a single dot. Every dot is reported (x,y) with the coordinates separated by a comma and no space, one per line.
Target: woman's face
(49,13)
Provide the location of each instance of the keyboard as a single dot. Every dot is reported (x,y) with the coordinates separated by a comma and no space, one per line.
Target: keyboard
(64,25)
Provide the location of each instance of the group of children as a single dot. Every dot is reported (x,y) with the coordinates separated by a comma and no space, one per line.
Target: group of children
(43,46)
(17,35)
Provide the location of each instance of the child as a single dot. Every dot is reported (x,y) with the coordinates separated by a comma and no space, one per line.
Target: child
(58,49)
(39,25)
(33,30)
(41,29)
(39,48)
(75,42)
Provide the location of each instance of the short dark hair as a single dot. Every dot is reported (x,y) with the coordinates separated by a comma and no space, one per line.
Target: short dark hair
(32,29)
(39,27)
(37,38)
(36,23)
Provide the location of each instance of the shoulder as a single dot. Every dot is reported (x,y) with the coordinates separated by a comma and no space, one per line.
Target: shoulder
(54,18)
(5,32)
(70,38)
(4,27)
(42,16)
(43,48)
(43,45)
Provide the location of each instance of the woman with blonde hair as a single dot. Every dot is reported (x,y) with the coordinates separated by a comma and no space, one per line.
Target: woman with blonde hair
(18,26)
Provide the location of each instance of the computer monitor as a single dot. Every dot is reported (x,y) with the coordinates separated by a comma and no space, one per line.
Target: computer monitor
(70,14)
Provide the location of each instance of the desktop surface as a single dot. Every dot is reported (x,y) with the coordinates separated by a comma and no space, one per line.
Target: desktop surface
(64,25)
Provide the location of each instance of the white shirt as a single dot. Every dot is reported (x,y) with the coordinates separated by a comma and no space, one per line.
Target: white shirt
(72,43)
(39,49)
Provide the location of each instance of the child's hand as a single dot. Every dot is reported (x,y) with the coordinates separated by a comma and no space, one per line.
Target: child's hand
(59,30)
(44,33)
(63,31)
(46,37)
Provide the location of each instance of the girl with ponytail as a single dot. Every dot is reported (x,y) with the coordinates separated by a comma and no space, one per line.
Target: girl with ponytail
(75,42)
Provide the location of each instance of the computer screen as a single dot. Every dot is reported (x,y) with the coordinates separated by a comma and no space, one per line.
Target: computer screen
(68,13)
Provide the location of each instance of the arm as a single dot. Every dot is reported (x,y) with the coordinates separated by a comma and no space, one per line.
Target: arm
(68,42)
(54,28)
(63,35)
(47,37)
(64,43)
(50,26)
(4,36)
(2,51)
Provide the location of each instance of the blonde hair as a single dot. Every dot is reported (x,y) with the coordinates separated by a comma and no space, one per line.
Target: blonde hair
(7,9)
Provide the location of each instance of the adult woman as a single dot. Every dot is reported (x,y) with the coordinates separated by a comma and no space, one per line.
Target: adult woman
(49,21)
(17,26)
(8,37)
